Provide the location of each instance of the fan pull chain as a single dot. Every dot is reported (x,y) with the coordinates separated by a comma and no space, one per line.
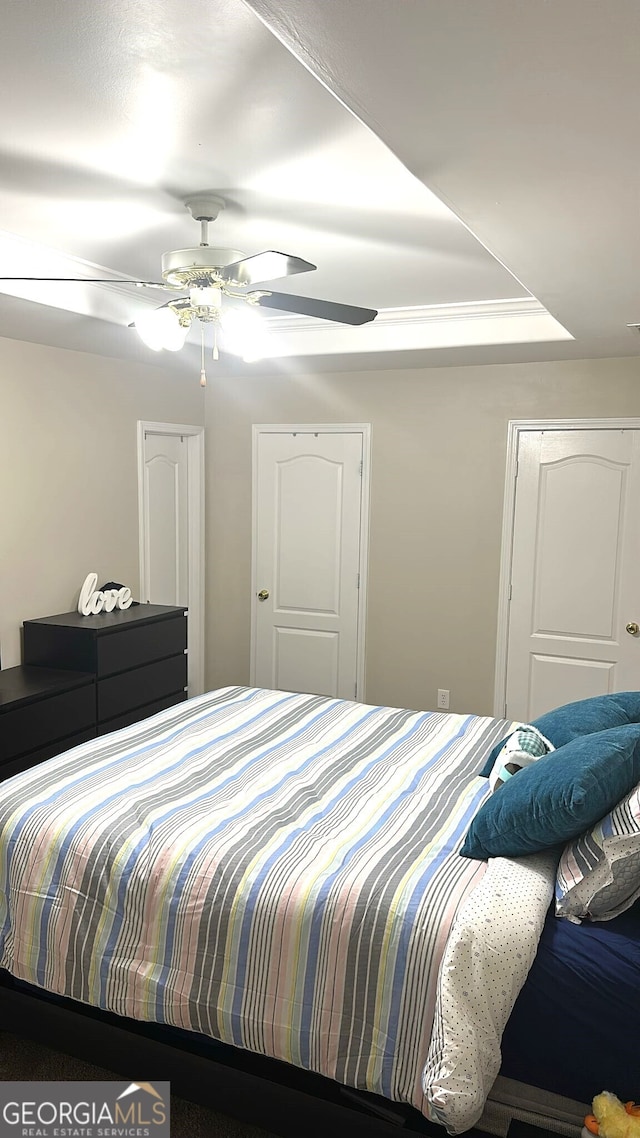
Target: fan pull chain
(203,374)
(216,354)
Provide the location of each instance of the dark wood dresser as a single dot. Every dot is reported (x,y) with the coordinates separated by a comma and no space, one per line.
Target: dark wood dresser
(136,655)
(43,711)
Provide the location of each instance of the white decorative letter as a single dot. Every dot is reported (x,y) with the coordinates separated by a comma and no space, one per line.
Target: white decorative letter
(125,600)
(86,594)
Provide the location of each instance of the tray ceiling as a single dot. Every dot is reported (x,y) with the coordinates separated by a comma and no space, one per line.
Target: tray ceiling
(386,144)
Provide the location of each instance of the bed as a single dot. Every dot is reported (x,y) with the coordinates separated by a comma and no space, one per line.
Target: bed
(264,890)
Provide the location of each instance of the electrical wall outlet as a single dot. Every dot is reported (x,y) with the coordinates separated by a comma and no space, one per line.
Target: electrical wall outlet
(443,699)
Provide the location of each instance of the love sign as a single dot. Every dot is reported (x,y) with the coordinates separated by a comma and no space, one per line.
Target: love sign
(92,601)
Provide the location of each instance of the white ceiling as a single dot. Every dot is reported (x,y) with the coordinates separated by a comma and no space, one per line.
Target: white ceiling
(483,194)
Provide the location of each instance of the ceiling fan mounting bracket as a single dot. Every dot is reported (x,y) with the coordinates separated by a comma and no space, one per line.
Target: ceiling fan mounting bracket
(204,206)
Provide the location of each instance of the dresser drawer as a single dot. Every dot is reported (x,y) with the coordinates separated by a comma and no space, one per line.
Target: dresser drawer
(24,762)
(133,646)
(128,690)
(139,713)
(37,724)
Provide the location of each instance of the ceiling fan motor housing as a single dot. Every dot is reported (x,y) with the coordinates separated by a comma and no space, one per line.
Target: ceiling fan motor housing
(184,267)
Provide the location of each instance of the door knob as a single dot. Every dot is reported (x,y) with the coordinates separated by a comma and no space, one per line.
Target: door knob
(633,628)
(263,595)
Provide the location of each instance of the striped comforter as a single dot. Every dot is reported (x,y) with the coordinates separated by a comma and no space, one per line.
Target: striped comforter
(277,871)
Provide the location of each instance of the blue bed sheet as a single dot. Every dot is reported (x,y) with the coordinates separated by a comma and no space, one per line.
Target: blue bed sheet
(574,1028)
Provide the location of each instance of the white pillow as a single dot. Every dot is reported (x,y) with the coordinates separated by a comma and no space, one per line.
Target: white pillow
(523,747)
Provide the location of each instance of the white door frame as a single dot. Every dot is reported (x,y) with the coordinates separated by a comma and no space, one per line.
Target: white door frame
(195,496)
(515,429)
(363,429)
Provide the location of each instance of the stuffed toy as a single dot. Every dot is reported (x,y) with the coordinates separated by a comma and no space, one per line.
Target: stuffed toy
(612,1118)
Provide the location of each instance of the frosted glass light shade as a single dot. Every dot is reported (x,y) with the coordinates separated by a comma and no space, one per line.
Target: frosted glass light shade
(161,329)
(244,334)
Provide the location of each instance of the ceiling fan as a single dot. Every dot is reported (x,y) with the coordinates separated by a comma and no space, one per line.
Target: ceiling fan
(208,275)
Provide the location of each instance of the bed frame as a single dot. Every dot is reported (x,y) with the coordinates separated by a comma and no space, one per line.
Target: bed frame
(251,1088)
(263,1092)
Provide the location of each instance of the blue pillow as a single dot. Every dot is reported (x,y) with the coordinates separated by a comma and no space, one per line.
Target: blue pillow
(583,717)
(558,797)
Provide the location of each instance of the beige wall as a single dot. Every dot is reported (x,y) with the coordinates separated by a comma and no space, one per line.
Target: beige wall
(438,461)
(68,473)
(68,495)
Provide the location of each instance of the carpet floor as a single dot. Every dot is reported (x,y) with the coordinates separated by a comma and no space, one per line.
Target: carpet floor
(22,1060)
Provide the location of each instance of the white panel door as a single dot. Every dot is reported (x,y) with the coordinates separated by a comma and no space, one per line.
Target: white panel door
(166,491)
(171,522)
(575,582)
(307,535)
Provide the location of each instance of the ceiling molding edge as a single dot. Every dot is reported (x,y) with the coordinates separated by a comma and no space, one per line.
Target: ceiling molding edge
(514,320)
(426,313)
